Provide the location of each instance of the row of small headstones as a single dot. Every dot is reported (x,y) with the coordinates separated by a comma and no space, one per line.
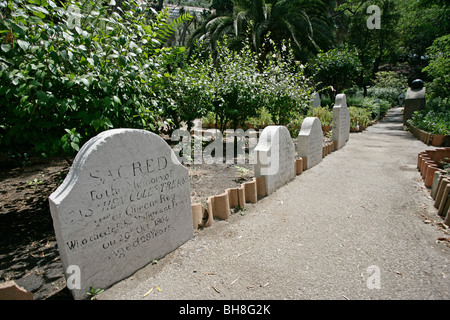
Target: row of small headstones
(220,206)
(126,200)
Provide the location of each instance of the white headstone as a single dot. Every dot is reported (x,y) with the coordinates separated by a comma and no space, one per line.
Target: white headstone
(125,202)
(341,121)
(310,141)
(315,100)
(275,157)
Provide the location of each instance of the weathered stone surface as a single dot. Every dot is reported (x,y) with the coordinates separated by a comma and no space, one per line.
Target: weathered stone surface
(125,202)
(310,141)
(315,100)
(275,157)
(341,121)
(414,100)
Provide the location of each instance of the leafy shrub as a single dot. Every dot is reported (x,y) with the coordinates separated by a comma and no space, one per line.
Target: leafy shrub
(388,94)
(262,119)
(435,118)
(439,68)
(359,117)
(338,68)
(237,88)
(323,113)
(69,71)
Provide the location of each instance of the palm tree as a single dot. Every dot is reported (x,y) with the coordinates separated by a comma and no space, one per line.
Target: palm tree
(305,23)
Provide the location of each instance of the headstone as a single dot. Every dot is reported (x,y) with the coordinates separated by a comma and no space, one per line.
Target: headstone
(414,100)
(275,157)
(125,202)
(341,121)
(310,141)
(315,100)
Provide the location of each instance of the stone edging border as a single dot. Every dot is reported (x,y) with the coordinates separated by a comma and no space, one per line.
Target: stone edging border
(436,179)
(219,206)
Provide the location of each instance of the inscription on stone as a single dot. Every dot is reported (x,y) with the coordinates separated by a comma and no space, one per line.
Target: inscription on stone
(310,141)
(341,121)
(275,157)
(125,202)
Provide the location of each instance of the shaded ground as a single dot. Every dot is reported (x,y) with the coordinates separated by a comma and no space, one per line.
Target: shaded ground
(28,249)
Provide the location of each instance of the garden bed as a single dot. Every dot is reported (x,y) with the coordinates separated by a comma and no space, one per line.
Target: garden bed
(436,140)
(28,249)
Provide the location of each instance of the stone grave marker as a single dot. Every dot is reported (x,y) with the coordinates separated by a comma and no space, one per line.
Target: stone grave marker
(415,99)
(315,100)
(310,141)
(125,202)
(341,121)
(275,157)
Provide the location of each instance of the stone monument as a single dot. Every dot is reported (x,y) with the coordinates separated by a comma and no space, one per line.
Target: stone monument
(125,202)
(341,121)
(310,141)
(275,157)
(414,100)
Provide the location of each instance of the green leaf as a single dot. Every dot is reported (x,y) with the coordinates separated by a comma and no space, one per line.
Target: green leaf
(75,146)
(6,47)
(85,81)
(42,96)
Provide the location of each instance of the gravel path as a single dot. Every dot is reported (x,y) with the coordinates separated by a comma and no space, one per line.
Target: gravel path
(359,225)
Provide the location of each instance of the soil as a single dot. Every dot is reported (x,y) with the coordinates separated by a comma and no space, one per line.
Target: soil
(28,248)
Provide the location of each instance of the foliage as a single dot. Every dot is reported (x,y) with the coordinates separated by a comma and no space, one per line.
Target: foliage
(323,113)
(185,94)
(390,79)
(262,119)
(376,46)
(285,87)
(239,91)
(435,118)
(359,117)
(377,107)
(305,23)
(439,68)
(74,69)
(420,23)
(337,68)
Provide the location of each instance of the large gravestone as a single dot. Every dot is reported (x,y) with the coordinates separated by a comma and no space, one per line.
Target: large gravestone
(414,100)
(341,121)
(275,157)
(310,141)
(125,202)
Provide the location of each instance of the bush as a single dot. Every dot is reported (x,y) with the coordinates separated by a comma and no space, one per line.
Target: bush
(439,68)
(435,118)
(69,72)
(324,114)
(239,89)
(338,68)
(359,117)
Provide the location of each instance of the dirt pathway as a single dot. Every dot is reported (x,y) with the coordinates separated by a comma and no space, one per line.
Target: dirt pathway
(359,225)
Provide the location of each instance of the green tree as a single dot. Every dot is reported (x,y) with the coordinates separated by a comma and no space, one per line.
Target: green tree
(376,46)
(420,23)
(69,72)
(439,68)
(336,69)
(305,23)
